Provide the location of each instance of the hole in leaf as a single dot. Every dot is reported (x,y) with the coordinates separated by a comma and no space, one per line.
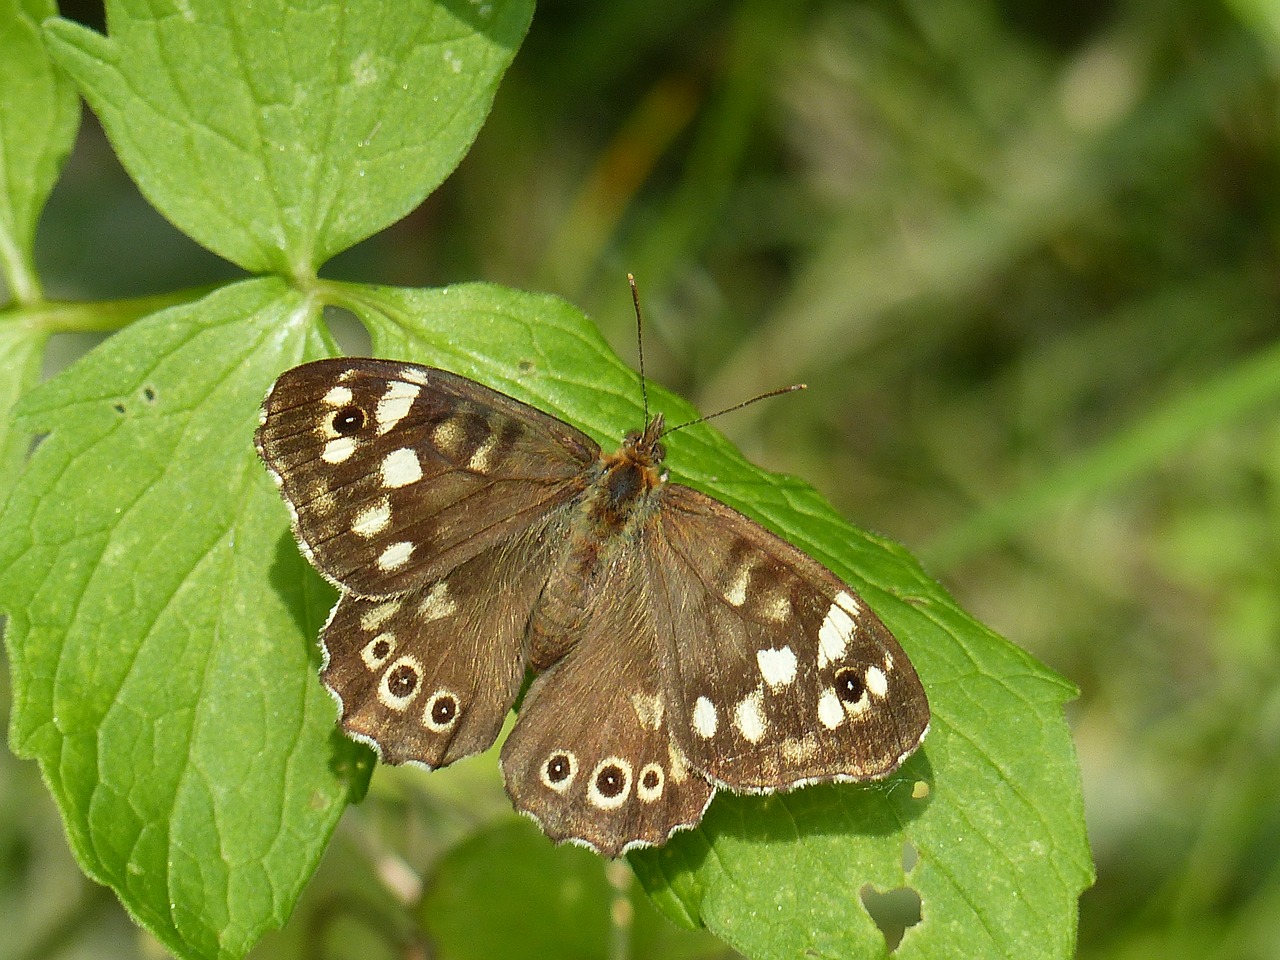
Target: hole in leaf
(910,857)
(149,394)
(525,367)
(118,407)
(345,327)
(893,911)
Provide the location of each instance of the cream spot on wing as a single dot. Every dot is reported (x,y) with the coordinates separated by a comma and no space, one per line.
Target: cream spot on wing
(778,667)
(877,682)
(834,635)
(798,750)
(777,608)
(377,651)
(324,502)
(830,712)
(437,604)
(338,449)
(848,604)
(479,461)
(401,468)
(414,375)
(394,404)
(373,519)
(704,718)
(338,396)
(678,764)
(395,556)
(650,782)
(748,717)
(449,436)
(648,707)
(888,661)
(736,592)
(375,617)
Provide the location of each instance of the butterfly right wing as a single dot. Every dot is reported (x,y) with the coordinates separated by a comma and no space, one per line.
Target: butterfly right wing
(396,474)
(429,676)
(591,757)
(777,674)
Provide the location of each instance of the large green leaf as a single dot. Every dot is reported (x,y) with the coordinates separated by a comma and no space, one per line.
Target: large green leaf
(278,134)
(161,630)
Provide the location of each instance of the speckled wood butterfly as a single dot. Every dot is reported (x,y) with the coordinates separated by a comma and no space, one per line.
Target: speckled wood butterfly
(679,647)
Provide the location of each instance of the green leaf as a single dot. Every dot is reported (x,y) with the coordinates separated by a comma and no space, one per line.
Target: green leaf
(1000,841)
(162,633)
(162,625)
(278,134)
(39,114)
(545,901)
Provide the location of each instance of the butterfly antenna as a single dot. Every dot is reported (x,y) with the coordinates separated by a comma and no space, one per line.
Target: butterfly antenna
(635,299)
(737,406)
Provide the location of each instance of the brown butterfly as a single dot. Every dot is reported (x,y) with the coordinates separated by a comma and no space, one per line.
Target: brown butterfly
(679,646)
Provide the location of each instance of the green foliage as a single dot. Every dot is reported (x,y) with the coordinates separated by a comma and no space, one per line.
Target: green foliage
(161,623)
(548,901)
(324,132)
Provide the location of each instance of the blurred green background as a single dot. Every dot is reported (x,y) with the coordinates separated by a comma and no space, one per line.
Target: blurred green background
(1024,255)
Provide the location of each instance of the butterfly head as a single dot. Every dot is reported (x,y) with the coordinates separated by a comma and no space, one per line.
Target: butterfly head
(644,446)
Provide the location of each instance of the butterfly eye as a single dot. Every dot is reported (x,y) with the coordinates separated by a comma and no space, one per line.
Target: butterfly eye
(402,680)
(849,686)
(348,420)
(442,711)
(649,788)
(610,783)
(400,683)
(558,768)
(558,771)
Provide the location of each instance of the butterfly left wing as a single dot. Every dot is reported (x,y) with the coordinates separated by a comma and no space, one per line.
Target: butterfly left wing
(591,758)
(775,672)
(397,473)
(428,677)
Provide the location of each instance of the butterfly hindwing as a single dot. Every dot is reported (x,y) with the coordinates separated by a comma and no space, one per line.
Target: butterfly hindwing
(591,757)
(397,473)
(777,674)
(428,676)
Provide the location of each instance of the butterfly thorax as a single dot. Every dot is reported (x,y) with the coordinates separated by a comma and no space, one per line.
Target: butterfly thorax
(618,497)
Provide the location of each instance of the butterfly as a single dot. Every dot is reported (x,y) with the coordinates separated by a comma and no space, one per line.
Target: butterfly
(678,647)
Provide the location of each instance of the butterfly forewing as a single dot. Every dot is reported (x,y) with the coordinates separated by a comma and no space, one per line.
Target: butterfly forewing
(591,757)
(777,674)
(428,676)
(396,473)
